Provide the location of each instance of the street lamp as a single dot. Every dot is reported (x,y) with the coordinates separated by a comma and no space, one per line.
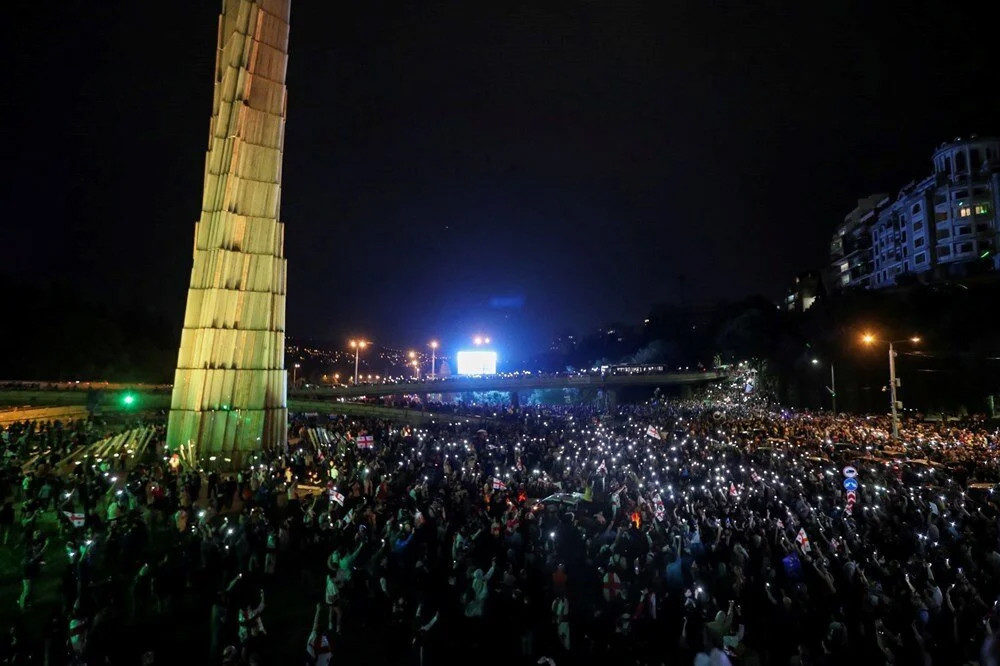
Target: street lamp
(357,346)
(869,339)
(416,368)
(434,346)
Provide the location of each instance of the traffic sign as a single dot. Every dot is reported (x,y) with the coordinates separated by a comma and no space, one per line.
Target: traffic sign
(850,483)
(852,497)
(850,472)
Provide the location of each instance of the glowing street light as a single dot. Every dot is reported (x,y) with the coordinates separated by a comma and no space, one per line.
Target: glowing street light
(357,346)
(481,340)
(433,346)
(294,372)
(895,405)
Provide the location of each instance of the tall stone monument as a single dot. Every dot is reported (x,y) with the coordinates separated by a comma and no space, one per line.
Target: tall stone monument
(229,393)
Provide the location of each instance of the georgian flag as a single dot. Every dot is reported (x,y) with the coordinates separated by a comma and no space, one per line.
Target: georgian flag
(803,540)
(732,489)
(77,519)
(653,432)
(366,441)
(499,485)
(658,509)
(611,586)
(336,497)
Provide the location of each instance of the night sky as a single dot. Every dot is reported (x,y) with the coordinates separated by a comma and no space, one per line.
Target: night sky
(465,166)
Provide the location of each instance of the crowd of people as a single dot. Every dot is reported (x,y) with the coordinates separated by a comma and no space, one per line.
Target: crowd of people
(710,531)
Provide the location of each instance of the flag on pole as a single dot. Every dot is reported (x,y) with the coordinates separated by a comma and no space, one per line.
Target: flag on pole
(336,497)
(366,441)
(803,540)
(76,518)
(499,485)
(653,432)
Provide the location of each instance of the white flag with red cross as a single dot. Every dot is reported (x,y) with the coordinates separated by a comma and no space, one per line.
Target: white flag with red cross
(611,586)
(653,432)
(803,540)
(658,509)
(499,485)
(78,519)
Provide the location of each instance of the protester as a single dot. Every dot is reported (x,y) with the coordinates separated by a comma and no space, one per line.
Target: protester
(715,531)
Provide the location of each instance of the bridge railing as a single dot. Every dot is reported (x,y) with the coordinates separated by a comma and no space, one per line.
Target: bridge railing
(466,384)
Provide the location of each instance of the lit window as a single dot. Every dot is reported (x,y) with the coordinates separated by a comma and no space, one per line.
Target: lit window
(982,209)
(964,211)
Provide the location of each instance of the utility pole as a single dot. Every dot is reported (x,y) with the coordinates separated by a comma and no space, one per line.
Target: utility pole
(833,388)
(894,405)
(892,392)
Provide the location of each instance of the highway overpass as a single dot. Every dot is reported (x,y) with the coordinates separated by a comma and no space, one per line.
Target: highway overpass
(511,384)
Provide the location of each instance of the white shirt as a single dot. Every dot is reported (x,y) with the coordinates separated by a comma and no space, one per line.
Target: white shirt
(716,658)
(318,648)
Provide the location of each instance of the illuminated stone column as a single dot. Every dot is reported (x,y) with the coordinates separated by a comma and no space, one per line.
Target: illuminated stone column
(230,385)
